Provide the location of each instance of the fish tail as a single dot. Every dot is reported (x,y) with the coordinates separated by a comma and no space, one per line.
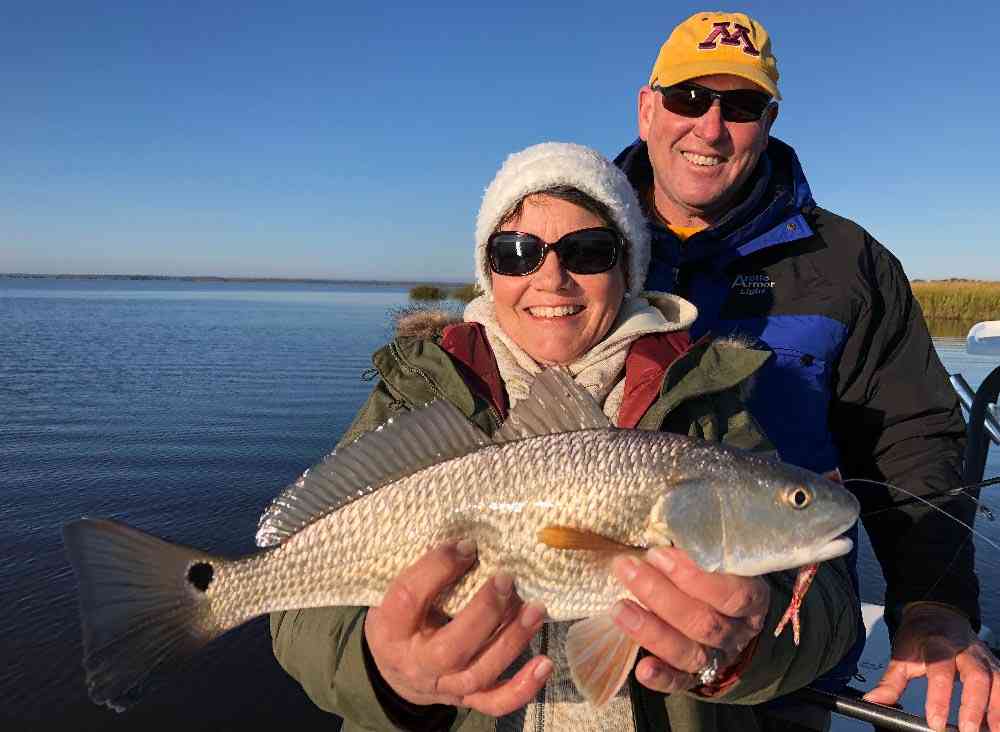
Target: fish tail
(144,604)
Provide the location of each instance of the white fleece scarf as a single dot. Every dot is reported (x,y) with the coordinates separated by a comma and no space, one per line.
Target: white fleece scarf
(601,369)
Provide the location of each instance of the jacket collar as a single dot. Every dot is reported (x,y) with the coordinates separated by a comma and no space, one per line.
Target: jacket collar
(662,371)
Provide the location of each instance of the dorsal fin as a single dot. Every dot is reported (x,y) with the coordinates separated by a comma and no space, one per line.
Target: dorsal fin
(555,403)
(408,442)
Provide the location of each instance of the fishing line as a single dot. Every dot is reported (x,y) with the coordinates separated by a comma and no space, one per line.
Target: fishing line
(924,500)
(980,506)
(961,490)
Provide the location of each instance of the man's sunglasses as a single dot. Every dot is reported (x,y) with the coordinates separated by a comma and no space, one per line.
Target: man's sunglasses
(588,251)
(693,100)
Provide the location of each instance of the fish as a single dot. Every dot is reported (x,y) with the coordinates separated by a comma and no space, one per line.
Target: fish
(551,498)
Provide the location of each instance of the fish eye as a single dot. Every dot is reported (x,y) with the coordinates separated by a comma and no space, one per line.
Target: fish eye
(798,497)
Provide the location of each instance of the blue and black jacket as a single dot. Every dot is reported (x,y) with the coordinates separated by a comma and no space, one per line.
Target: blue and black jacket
(854,381)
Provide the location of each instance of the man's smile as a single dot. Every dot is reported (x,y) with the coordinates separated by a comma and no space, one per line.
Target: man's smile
(702,160)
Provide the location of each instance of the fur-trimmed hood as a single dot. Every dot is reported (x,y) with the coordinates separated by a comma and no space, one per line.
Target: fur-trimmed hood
(424,322)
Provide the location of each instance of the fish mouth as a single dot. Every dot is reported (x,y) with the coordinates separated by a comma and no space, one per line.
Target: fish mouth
(834,544)
(833,548)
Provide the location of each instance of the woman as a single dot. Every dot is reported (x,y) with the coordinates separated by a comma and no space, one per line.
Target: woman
(561,254)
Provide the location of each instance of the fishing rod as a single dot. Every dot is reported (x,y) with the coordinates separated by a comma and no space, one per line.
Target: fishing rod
(883,717)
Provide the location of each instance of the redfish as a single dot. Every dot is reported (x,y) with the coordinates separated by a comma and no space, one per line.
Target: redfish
(550,498)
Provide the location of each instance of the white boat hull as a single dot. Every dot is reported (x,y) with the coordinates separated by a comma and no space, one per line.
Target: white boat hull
(984,338)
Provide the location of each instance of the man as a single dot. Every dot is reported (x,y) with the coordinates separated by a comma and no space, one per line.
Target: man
(854,385)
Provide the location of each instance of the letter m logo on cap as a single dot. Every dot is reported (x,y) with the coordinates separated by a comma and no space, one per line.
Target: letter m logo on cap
(739,37)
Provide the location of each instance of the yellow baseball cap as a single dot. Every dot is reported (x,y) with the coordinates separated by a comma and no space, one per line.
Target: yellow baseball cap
(717,43)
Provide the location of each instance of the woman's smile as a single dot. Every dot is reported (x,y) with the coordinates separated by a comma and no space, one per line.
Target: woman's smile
(553,314)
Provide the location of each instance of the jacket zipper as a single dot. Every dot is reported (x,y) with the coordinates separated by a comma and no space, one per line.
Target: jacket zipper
(540,706)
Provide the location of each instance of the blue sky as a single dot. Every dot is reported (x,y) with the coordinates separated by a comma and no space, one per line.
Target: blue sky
(331,139)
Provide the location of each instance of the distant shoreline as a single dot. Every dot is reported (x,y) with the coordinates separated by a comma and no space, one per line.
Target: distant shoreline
(961,300)
(328,281)
(215,278)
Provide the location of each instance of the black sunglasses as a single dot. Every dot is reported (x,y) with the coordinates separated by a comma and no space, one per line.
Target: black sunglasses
(693,100)
(587,251)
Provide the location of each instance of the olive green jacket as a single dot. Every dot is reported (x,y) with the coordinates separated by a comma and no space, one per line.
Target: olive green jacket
(323,649)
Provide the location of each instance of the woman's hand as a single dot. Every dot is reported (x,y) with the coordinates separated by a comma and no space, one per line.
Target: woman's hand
(427,659)
(690,616)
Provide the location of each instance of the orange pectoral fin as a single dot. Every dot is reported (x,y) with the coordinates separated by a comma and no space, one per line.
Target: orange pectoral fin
(566,537)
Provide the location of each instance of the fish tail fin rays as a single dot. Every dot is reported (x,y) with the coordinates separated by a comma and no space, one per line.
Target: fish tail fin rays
(600,657)
(143,605)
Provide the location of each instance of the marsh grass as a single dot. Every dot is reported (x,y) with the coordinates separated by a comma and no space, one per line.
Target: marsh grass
(465,293)
(968,301)
(950,307)
(427,292)
(945,328)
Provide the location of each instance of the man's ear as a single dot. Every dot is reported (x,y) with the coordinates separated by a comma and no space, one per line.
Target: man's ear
(647,98)
(772,114)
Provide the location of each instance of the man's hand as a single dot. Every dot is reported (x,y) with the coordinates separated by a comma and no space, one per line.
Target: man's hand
(689,616)
(427,659)
(935,642)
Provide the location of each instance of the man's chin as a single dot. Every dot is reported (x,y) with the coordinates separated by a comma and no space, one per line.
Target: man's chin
(708,204)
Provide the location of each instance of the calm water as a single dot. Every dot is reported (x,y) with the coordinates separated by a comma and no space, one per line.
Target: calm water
(182,408)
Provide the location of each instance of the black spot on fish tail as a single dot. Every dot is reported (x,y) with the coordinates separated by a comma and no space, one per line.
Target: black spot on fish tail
(200,575)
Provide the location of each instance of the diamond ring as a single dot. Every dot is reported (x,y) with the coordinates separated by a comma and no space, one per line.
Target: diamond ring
(710,672)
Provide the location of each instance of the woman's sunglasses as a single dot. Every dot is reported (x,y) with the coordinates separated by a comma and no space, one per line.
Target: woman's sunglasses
(588,251)
(692,100)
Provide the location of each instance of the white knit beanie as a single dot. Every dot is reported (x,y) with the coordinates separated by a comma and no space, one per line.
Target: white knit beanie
(551,164)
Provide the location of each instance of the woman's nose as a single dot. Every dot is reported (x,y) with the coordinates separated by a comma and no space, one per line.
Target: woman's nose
(551,275)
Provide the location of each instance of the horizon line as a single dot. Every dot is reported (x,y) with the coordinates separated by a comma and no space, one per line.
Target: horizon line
(312,280)
(226,278)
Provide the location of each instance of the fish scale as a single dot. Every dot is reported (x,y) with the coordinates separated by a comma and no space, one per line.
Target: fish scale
(504,525)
